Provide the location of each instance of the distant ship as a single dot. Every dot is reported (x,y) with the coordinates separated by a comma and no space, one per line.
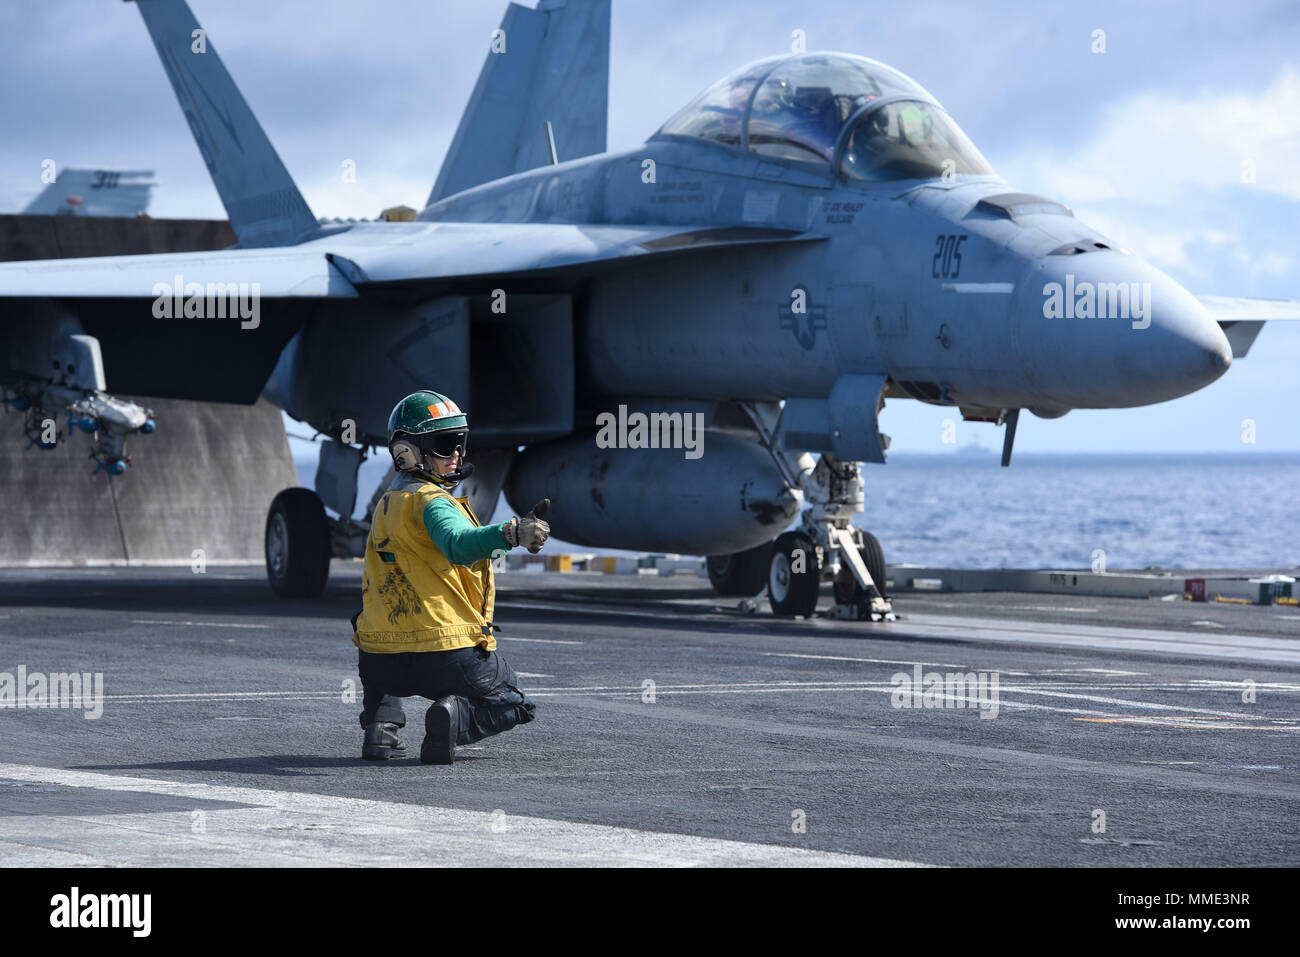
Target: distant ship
(973,449)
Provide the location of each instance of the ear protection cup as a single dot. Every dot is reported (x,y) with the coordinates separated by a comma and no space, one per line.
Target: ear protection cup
(406,456)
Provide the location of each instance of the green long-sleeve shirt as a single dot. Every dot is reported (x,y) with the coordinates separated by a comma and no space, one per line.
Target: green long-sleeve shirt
(458,538)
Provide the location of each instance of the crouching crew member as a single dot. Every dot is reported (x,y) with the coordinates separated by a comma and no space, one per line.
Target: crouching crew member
(425,627)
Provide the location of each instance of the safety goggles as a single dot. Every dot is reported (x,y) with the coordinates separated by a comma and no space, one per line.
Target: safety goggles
(445,445)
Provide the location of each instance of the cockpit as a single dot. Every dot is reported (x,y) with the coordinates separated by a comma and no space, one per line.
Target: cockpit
(832,108)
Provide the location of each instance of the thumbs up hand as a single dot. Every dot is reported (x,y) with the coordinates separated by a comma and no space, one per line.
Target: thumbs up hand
(530,531)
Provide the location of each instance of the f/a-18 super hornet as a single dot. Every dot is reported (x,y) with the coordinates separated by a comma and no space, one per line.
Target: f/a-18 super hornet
(685,345)
(94,192)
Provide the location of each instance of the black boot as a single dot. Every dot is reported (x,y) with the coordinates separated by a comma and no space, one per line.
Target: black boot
(441,724)
(381,742)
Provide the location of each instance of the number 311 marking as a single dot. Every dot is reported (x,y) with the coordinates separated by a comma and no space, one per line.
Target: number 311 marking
(947,257)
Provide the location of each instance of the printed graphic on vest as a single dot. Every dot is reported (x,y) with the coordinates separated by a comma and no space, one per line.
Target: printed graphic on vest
(398,593)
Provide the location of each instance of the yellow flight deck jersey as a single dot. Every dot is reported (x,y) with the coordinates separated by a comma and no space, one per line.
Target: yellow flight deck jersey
(428,572)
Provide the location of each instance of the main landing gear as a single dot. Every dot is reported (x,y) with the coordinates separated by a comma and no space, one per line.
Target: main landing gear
(301,538)
(826,547)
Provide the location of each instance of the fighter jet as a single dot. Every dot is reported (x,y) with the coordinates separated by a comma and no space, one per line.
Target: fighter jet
(685,345)
(95,192)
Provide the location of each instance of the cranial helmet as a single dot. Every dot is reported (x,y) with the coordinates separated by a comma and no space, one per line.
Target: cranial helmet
(428,424)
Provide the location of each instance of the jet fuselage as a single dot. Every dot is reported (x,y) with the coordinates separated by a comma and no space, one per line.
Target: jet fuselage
(945,285)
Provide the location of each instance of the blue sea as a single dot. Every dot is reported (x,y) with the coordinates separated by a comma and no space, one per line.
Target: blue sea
(1053,511)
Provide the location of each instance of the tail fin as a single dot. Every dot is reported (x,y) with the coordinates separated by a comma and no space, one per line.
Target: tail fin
(546,65)
(95,192)
(264,205)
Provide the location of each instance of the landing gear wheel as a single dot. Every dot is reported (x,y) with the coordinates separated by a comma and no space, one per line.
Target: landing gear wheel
(741,574)
(794,576)
(297,544)
(846,587)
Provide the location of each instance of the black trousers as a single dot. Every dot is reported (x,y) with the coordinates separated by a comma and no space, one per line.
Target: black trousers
(488,689)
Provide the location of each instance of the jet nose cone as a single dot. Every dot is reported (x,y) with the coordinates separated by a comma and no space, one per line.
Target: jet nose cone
(1106,330)
(1187,350)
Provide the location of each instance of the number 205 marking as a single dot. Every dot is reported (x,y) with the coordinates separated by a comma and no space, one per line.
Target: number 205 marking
(947,257)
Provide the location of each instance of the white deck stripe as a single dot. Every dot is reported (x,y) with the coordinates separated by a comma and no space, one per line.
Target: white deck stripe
(538,641)
(883,661)
(324,830)
(770,686)
(209,624)
(1094,637)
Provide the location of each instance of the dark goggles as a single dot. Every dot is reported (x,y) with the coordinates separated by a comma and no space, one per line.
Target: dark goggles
(445,445)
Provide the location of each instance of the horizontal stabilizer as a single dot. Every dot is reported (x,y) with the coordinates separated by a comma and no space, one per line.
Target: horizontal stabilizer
(1241,319)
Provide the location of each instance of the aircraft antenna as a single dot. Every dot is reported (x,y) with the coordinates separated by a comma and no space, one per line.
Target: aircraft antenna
(550,142)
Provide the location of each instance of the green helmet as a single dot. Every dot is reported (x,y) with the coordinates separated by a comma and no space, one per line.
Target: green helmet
(423,412)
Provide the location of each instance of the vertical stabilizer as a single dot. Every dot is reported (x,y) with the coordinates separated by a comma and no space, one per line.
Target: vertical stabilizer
(95,192)
(264,205)
(545,65)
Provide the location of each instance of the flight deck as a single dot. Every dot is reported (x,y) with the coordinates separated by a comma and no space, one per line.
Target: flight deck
(673,729)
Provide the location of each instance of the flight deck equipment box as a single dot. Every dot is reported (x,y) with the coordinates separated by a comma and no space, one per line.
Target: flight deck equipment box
(1258,591)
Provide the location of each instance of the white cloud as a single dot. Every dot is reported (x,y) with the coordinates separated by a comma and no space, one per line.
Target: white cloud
(1144,231)
(1156,145)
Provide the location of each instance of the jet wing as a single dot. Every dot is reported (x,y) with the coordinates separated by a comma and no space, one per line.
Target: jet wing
(462,257)
(1241,319)
(295,272)
(420,258)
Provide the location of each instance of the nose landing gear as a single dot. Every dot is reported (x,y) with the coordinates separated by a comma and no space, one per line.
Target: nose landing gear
(826,546)
(794,576)
(859,584)
(851,559)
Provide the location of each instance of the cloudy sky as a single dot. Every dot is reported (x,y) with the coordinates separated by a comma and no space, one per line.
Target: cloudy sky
(1149,141)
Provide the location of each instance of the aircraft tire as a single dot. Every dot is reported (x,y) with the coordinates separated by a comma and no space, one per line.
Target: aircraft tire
(297,544)
(793,593)
(740,574)
(873,556)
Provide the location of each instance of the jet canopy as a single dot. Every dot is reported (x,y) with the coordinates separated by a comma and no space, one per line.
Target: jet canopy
(873,122)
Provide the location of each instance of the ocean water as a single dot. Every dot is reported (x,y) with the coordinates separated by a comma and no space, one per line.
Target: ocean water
(1054,511)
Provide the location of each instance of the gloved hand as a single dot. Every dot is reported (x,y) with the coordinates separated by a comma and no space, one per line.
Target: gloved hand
(530,531)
